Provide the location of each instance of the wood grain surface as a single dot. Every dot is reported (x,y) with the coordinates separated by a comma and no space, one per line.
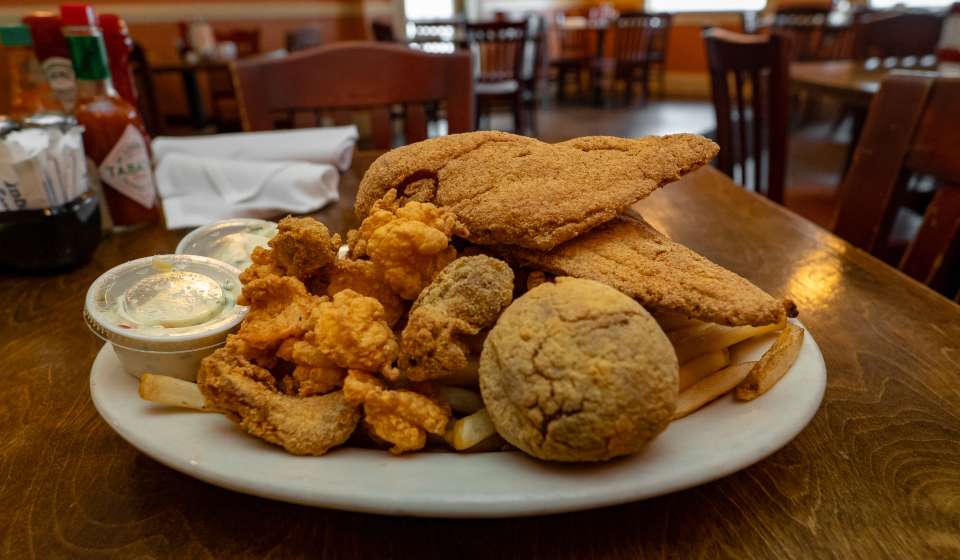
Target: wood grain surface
(875,475)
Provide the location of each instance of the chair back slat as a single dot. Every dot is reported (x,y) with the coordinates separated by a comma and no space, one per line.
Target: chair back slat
(758,67)
(866,210)
(356,76)
(805,26)
(499,49)
(910,131)
(641,36)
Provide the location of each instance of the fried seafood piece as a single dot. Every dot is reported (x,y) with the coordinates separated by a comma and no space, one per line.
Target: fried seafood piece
(350,332)
(302,247)
(465,298)
(261,266)
(362,277)
(280,308)
(400,417)
(247,394)
(630,255)
(577,371)
(408,244)
(513,190)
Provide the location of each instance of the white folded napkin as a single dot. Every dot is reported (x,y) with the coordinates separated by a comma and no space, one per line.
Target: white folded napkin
(198,190)
(331,145)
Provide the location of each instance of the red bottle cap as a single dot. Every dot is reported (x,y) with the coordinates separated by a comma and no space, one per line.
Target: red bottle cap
(77,15)
(111,24)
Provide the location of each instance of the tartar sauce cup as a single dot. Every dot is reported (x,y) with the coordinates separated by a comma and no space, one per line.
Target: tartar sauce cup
(164,314)
(230,241)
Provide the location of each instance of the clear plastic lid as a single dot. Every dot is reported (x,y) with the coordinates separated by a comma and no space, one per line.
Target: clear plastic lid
(230,241)
(165,303)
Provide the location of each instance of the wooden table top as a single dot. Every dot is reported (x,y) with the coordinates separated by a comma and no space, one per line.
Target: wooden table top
(852,81)
(876,474)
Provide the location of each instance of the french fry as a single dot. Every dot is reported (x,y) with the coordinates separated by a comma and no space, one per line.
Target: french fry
(701,366)
(772,365)
(472,430)
(461,400)
(711,387)
(670,321)
(163,389)
(697,340)
(468,376)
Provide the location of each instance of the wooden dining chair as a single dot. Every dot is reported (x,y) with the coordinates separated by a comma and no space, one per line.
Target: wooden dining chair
(498,49)
(751,108)
(223,99)
(895,34)
(911,130)
(574,53)
(805,26)
(357,76)
(147,104)
(639,48)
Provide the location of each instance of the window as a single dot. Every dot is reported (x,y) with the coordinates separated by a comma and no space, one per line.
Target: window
(703,5)
(883,4)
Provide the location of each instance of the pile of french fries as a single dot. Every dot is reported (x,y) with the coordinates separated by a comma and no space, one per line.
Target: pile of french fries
(703,351)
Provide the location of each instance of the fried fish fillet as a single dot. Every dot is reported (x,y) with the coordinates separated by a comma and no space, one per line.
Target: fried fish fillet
(513,190)
(632,256)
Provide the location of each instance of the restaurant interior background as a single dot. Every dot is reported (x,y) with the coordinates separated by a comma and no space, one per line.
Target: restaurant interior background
(822,131)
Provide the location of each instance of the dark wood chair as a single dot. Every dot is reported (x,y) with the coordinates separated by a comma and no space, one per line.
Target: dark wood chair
(575,52)
(146,91)
(805,26)
(911,130)
(358,76)
(303,38)
(498,50)
(383,32)
(534,66)
(223,99)
(751,129)
(639,48)
(895,34)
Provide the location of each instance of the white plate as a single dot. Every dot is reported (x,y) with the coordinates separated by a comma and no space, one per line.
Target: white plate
(718,440)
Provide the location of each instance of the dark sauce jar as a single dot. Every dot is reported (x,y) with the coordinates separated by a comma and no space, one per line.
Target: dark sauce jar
(50,239)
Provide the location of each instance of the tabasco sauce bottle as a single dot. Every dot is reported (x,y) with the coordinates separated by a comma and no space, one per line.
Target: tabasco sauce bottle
(54,56)
(114,136)
(119,46)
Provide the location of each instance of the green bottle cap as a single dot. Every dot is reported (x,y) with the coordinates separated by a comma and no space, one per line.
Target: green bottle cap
(15,36)
(89,57)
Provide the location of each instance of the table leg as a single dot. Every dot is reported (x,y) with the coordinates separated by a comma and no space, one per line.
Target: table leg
(194,100)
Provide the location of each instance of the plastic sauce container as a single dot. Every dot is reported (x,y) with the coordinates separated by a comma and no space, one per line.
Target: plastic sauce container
(164,314)
(230,241)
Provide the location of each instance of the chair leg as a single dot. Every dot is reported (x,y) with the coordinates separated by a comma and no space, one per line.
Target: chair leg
(477,112)
(562,83)
(662,80)
(646,83)
(518,112)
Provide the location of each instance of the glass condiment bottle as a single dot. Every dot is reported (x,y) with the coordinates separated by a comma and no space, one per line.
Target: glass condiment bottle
(28,91)
(114,138)
(51,49)
(119,46)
